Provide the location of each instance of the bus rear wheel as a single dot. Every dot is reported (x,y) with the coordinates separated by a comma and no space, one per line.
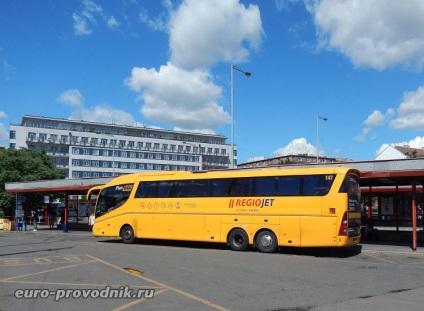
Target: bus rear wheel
(127,235)
(238,240)
(266,241)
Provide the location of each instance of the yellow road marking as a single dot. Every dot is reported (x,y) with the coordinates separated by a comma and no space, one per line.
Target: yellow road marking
(138,301)
(45,271)
(201,300)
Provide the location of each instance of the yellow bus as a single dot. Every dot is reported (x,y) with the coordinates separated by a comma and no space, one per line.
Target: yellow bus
(265,208)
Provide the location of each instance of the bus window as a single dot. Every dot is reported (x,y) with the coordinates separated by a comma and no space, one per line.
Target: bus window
(112,197)
(241,187)
(192,188)
(289,185)
(146,189)
(264,186)
(317,184)
(221,187)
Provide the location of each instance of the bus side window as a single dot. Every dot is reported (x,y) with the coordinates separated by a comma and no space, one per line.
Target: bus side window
(288,185)
(316,184)
(146,189)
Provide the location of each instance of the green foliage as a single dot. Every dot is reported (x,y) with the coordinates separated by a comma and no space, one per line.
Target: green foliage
(20,166)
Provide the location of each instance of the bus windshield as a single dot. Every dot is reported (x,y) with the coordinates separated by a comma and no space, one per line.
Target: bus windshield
(113,197)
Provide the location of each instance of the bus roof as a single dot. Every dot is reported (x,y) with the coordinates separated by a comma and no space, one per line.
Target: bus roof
(274,171)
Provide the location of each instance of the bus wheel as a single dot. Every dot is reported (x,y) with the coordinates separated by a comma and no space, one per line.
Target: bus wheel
(266,241)
(127,235)
(238,240)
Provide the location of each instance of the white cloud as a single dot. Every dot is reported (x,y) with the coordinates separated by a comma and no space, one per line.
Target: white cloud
(377,118)
(112,22)
(363,135)
(411,111)
(257,158)
(86,19)
(181,93)
(103,114)
(186,99)
(203,32)
(3,115)
(72,97)
(377,34)
(297,146)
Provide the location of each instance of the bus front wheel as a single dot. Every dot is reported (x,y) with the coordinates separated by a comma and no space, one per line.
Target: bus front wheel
(238,240)
(127,235)
(266,241)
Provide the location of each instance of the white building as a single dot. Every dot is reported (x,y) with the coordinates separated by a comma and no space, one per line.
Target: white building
(89,149)
(393,152)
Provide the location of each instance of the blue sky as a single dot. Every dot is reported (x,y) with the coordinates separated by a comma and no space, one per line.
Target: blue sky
(167,64)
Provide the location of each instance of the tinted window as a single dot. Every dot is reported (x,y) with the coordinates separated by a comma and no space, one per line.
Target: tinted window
(241,187)
(146,190)
(221,187)
(265,186)
(317,184)
(164,189)
(192,188)
(288,185)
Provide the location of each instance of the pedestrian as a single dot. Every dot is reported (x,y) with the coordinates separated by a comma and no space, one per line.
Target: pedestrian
(91,219)
(35,219)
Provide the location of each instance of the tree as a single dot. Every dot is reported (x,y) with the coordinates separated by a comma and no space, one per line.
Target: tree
(24,165)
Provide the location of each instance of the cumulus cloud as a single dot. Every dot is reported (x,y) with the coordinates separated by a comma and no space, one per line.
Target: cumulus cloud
(297,146)
(376,118)
(3,115)
(182,93)
(198,40)
(377,34)
(188,105)
(410,114)
(71,97)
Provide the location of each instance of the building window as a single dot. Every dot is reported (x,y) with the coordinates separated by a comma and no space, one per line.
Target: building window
(156,146)
(53,137)
(150,156)
(123,154)
(150,166)
(166,156)
(12,134)
(63,139)
(122,143)
(12,146)
(141,166)
(158,156)
(148,146)
(75,150)
(164,147)
(131,144)
(158,167)
(139,145)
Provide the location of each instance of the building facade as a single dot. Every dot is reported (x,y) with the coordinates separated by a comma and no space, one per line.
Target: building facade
(89,150)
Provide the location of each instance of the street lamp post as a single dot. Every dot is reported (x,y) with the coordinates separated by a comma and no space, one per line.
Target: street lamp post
(247,74)
(322,118)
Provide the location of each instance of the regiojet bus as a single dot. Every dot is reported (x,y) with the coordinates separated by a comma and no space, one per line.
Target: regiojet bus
(264,208)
